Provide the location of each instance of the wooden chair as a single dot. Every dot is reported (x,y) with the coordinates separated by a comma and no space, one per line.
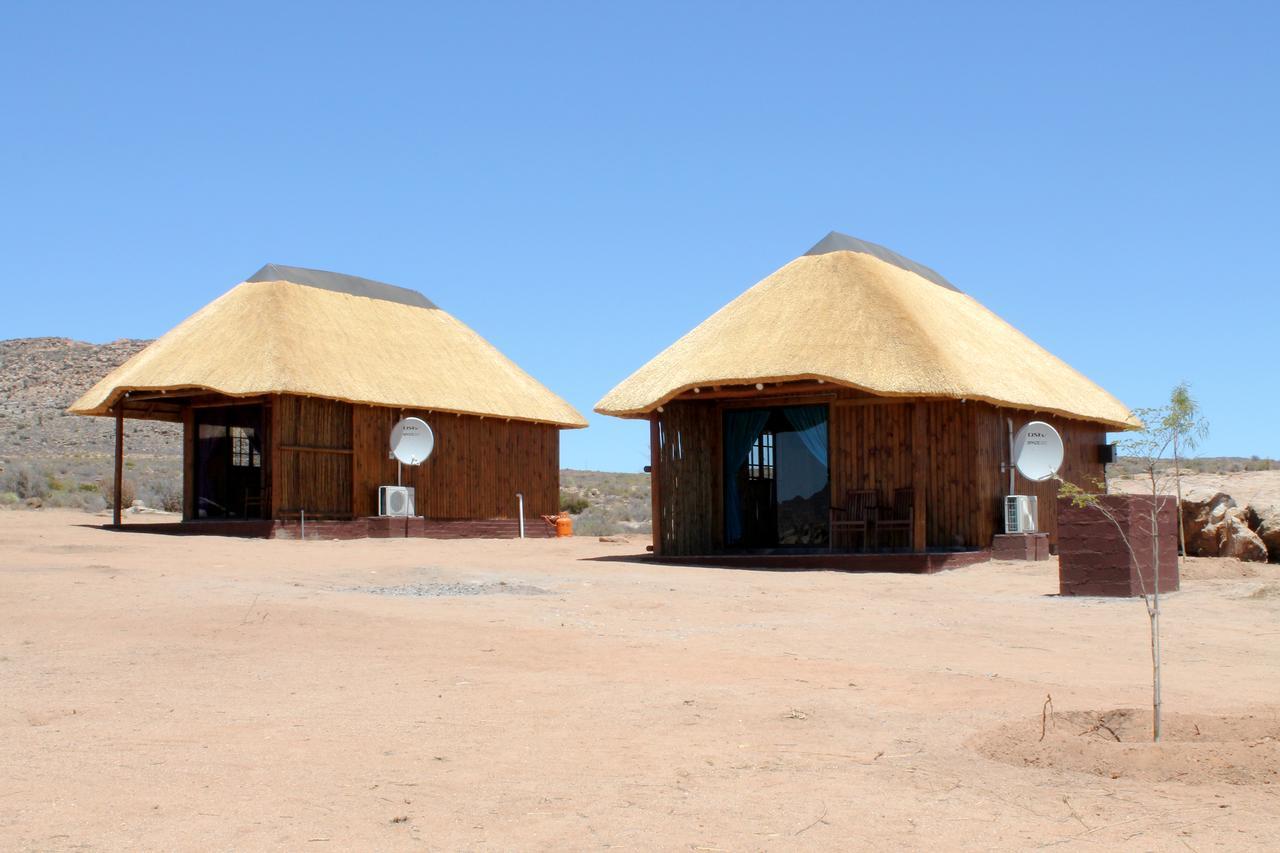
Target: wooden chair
(254,502)
(902,519)
(856,516)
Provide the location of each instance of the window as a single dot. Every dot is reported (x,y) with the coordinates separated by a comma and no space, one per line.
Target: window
(760,460)
(243,454)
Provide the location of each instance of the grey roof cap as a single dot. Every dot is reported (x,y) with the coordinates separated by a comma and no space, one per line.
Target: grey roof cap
(837,242)
(340,283)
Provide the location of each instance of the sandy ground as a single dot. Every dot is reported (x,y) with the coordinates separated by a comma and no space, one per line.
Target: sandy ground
(167,693)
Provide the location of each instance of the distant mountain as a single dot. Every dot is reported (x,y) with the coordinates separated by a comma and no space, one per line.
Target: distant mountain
(40,377)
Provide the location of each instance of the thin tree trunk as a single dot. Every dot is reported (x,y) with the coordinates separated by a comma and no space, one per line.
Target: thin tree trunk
(1155,672)
(1155,611)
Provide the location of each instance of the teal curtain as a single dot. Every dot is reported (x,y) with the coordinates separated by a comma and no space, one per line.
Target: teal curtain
(741,429)
(810,423)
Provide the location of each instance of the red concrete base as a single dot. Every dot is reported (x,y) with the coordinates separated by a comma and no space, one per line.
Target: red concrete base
(921,564)
(1020,546)
(1093,558)
(355,528)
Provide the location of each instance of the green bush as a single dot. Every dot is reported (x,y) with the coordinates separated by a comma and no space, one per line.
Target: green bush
(8,498)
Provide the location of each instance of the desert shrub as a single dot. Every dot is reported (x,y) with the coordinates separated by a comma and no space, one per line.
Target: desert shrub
(76,499)
(162,493)
(593,526)
(25,481)
(9,498)
(573,504)
(127,492)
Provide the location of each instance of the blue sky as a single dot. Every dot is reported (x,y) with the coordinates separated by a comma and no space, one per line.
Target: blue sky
(583,183)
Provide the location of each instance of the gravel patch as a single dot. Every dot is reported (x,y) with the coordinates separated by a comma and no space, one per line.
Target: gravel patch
(444,590)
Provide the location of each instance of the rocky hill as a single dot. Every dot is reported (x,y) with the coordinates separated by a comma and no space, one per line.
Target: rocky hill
(40,377)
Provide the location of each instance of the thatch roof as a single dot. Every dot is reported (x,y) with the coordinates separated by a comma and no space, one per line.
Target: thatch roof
(289,330)
(860,315)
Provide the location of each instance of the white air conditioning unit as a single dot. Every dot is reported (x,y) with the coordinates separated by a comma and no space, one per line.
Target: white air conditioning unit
(395,500)
(1020,514)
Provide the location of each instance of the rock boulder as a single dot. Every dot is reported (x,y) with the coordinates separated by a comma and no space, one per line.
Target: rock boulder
(1217,527)
(1268,530)
(1198,516)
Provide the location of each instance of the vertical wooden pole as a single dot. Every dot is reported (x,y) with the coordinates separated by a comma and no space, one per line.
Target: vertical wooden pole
(655,481)
(919,476)
(119,472)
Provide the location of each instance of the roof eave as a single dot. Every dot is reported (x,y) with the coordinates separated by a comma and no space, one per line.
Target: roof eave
(107,406)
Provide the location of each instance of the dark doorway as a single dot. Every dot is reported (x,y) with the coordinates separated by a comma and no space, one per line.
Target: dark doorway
(230,479)
(777,478)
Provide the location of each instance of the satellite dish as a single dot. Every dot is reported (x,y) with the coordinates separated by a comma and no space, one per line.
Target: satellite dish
(412,441)
(1037,451)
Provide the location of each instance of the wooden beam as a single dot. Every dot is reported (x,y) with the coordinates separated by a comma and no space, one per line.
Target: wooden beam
(751,391)
(655,481)
(852,402)
(194,397)
(206,403)
(305,448)
(919,477)
(787,400)
(142,397)
(119,469)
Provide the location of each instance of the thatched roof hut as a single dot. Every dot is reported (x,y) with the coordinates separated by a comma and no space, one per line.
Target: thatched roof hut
(852,374)
(289,330)
(288,386)
(859,315)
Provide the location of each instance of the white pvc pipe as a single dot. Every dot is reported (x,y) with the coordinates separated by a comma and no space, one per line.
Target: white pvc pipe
(520,501)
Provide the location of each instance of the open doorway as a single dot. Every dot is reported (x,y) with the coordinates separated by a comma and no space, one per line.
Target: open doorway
(777,478)
(230,479)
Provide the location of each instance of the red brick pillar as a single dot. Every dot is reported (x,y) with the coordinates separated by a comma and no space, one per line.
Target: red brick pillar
(1093,558)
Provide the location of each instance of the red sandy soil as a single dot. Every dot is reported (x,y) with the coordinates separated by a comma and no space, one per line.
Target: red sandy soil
(163,693)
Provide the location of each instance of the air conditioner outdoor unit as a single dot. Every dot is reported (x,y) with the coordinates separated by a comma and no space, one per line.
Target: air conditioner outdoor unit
(395,500)
(1020,514)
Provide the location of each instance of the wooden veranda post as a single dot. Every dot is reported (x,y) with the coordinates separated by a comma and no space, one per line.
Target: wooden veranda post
(119,472)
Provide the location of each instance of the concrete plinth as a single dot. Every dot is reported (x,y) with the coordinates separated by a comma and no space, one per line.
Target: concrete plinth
(1020,546)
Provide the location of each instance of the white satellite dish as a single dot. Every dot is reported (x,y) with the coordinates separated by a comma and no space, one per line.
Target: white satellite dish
(1037,451)
(412,441)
